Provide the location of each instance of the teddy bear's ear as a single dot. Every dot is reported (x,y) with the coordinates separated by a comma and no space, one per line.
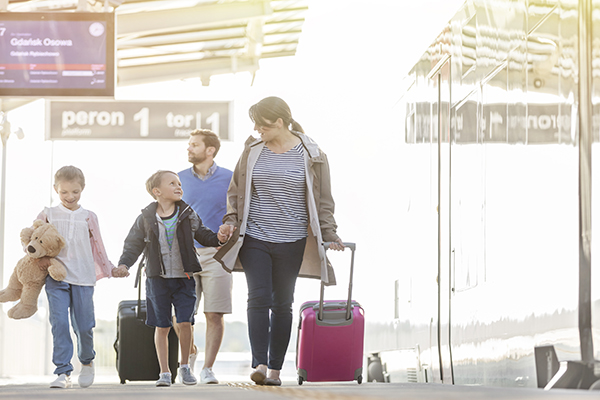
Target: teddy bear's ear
(37,223)
(26,235)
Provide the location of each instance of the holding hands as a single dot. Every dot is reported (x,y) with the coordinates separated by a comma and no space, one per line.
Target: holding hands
(223,238)
(225,232)
(120,272)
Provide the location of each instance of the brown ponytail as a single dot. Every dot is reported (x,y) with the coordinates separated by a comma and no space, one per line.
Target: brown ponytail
(296,126)
(271,109)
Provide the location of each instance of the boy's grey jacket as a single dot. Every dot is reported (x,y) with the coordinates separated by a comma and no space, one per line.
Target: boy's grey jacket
(144,236)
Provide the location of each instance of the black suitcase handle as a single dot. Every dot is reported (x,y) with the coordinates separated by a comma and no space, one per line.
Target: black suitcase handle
(138,284)
(351,246)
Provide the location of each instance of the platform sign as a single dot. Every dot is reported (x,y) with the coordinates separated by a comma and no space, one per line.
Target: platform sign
(135,120)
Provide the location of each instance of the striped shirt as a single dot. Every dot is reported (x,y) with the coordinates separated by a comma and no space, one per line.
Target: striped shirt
(278,212)
(170,224)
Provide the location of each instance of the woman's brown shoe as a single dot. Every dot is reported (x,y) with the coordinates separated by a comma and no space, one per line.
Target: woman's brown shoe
(258,377)
(273,381)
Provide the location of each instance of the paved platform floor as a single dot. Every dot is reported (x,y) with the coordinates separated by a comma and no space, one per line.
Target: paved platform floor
(289,390)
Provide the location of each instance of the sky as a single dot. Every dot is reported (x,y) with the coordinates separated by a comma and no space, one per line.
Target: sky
(342,86)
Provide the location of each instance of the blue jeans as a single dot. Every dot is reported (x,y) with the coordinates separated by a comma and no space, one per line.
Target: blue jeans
(271,271)
(65,299)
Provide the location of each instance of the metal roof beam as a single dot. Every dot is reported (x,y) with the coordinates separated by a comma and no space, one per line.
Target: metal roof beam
(215,33)
(289,53)
(198,47)
(183,70)
(146,57)
(198,16)
(238,31)
(256,37)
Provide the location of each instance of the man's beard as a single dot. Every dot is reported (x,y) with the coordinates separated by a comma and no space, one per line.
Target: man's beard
(196,159)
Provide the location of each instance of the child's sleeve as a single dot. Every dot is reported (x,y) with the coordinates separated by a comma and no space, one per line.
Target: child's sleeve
(103,265)
(42,215)
(204,235)
(134,243)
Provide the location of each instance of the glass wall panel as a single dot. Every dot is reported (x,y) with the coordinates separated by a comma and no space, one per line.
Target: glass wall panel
(567,72)
(512,189)
(596,177)
(487,42)
(468,46)
(467,197)
(537,10)
(542,80)
(493,123)
(516,107)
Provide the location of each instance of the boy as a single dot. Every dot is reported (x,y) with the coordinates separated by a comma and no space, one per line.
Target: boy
(166,230)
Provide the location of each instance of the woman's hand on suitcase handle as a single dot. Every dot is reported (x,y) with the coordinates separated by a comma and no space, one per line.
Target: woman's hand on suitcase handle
(120,272)
(338,245)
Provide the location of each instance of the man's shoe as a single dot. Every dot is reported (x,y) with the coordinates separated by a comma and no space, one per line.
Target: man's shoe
(86,376)
(207,376)
(164,379)
(186,376)
(258,377)
(63,381)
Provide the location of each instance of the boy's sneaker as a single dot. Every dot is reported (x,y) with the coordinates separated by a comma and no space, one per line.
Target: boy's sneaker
(86,376)
(62,381)
(207,376)
(164,379)
(186,376)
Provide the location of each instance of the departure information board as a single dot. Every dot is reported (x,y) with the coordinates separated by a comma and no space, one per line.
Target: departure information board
(56,54)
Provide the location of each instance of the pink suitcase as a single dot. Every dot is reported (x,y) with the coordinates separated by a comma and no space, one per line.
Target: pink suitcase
(330,348)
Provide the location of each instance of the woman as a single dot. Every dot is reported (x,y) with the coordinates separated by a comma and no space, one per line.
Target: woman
(279,212)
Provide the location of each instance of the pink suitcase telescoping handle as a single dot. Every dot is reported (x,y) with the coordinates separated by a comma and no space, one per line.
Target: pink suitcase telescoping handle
(351,246)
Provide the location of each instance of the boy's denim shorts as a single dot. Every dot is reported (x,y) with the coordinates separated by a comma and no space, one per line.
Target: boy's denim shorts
(161,293)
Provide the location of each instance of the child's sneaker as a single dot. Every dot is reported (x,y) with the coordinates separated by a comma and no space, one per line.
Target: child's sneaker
(208,376)
(63,381)
(186,376)
(86,376)
(164,379)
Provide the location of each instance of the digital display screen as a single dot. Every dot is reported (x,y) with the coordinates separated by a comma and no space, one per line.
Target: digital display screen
(57,54)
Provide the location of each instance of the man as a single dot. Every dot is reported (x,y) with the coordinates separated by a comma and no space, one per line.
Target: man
(205,189)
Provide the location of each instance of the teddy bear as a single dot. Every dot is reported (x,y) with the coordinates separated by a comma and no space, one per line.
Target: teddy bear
(26,281)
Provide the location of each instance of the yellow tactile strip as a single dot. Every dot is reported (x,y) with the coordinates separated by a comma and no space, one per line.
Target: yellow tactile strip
(298,392)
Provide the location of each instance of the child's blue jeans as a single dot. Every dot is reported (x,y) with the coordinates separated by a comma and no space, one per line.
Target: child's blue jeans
(65,299)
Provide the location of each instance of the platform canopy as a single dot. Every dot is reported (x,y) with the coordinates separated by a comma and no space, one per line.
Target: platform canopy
(160,40)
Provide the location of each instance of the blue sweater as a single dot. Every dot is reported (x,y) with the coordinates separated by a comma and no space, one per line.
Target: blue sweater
(208,198)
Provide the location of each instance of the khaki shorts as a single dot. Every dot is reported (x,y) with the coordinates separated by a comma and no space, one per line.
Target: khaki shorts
(214,282)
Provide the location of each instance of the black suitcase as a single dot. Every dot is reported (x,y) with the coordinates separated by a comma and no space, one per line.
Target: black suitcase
(136,354)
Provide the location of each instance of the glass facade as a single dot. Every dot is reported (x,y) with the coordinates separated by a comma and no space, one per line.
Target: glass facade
(491,130)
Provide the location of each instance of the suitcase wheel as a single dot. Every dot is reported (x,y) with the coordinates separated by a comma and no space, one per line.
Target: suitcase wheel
(122,381)
(300,380)
(359,379)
